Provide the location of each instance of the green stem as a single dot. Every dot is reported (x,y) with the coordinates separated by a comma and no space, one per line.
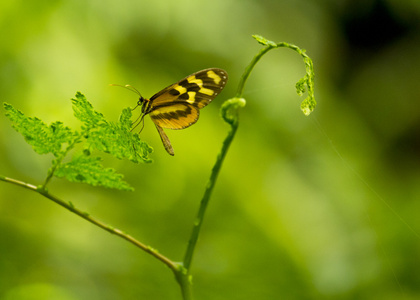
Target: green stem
(229,112)
(184,281)
(307,82)
(248,70)
(69,206)
(57,162)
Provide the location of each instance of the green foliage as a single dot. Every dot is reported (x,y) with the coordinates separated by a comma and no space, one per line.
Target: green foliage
(115,139)
(86,169)
(306,84)
(43,138)
(96,133)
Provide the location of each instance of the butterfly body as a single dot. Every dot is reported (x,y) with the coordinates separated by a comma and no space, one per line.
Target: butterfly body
(178,105)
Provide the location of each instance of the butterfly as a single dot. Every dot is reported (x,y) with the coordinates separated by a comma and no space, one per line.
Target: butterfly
(178,105)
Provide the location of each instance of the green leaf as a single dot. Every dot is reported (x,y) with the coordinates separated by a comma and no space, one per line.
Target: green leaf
(301,86)
(307,84)
(87,169)
(264,41)
(83,110)
(43,138)
(115,139)
(308,105)
(97,133)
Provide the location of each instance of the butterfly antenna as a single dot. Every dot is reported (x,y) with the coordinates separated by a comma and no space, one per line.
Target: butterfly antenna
(130,88)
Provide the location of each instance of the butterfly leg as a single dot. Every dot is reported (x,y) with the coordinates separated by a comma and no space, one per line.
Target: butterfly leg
(137,123)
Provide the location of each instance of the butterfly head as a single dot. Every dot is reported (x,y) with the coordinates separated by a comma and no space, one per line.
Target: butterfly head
(141,102)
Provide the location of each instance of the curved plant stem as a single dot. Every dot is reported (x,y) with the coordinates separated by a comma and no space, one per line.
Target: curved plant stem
(304,84)
(249,68)
(69,206)
(257,57)
(229,112)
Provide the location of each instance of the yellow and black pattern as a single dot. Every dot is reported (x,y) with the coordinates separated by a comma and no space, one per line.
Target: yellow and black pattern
(176,116)
(177,106)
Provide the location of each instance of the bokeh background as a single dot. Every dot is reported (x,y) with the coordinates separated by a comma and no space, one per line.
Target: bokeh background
(318,207)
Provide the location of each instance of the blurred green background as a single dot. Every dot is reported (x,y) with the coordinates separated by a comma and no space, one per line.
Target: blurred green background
(319,207)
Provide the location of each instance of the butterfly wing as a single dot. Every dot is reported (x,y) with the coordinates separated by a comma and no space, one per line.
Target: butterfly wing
(177,115)
(177,106)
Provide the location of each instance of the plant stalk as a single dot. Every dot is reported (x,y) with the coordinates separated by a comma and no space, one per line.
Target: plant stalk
(69,206)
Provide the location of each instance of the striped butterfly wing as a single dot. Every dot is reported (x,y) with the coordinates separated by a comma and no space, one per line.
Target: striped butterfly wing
(177,115)
(177,106)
